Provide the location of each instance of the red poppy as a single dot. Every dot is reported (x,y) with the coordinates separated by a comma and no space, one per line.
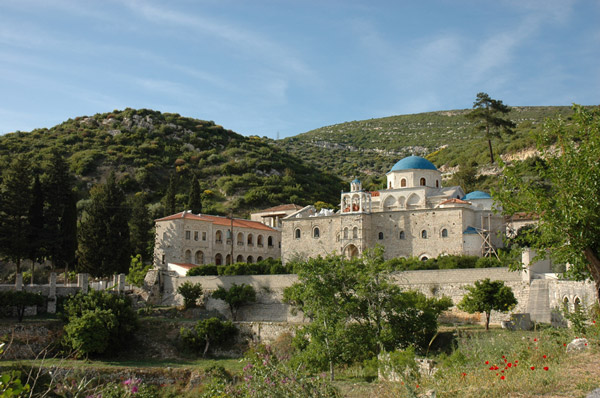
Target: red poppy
(417,386)
(503,357)
(516,361)
(487,362)
(544,356)
(509,365)
(502,377)
(564,344)
(535,339)
(532,368)
(545,368)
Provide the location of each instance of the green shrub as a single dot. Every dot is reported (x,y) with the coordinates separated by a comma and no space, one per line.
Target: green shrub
(236,296)
(137,271)
(191,293)
(86,314)
(203,270)
(20,300)
(208,334)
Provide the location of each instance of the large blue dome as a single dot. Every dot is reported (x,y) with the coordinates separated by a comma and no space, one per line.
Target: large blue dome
(476,195)
(413,162)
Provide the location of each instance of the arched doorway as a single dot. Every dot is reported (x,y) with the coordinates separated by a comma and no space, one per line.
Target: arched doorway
(351,251)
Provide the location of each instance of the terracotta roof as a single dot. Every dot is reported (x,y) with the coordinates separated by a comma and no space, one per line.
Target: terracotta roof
(185,265)
(280,208)
(217,220)
(456,201)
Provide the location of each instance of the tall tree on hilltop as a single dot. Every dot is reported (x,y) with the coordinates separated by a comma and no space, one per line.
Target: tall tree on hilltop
(14,210)
(489,114)
(566,197)
(104,247)
(60,235)
(36,225)
(140,227)
(195,198)
(170,204)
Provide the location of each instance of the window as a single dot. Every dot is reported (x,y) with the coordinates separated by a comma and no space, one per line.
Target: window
(390,186)
(218,259)
(401,235)
(188,257)
(163,259)
(423,182)
(219,237)
(270,241)
(444,233)
(380,235)
(196,235)
(188,235)
(239,259)
(437,183)
(240,239)
(259,258)
(346,233)
(199,257)
(250,241)
(424,258)
(204,236)
(250,260)
(316,232)
(297,233)
(355,232)
(576,304)
(403,182)
(259,241)
(424,234)
(566,304)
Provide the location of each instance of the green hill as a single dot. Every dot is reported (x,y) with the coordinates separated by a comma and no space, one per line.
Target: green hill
(369,148)
(146,147)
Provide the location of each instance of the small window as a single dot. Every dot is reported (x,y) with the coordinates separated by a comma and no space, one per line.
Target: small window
(424,234)
(204,236)
(381,236)
(219,237)
(444,233)
(270,241)
(346,233)
(437,183)
(390,185)
(423,182)
(316,232)
(163,258)
(566,304)
(403,182)
(355,232)
(250,260)
(218,259)
(250,242)
(424,258)
(196,235)
(402,235)
(297,233)
(188,257)
(188,235)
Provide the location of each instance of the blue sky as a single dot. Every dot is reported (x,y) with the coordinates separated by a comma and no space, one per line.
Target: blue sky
(286,67)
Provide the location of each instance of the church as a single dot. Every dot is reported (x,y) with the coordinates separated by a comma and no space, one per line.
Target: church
(415,216)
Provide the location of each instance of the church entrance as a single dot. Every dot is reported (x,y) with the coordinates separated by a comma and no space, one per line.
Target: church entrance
(351,251)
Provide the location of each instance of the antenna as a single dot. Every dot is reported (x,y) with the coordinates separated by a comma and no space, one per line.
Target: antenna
(277,135)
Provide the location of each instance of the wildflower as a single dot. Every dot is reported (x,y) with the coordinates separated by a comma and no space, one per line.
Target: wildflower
(564,344)
(509,365)
(516,361)
(532,368)
(502,377)
(545,368)
(535,339)
(417,386)
(127,382)
(134,389)
(544,356)
(503,357)
(487,362)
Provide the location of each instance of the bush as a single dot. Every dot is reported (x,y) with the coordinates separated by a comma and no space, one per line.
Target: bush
(98,322)
(203,270)
(236,296)
(137,271)
(20,300)
(263,267)
(208,334)
(191,293)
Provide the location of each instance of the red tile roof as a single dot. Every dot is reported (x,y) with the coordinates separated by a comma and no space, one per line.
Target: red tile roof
(280,208)
(456,201)
(217,220)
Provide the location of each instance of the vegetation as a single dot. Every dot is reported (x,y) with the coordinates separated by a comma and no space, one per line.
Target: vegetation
(564,194)
(356,312)
(209,333)
(137,271)
(268,266)
(487,296)
(98,322)
(19,300)
(235,297)
(190,292)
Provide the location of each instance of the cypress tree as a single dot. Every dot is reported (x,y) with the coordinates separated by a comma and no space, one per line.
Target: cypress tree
(104,247)
(140,227)
(195,199)
(36,225)
(170,204)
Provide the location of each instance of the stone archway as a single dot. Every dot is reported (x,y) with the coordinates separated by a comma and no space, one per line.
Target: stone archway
(351,251)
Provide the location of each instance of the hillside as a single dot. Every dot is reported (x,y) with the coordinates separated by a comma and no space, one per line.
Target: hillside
(146,147)
(369,148)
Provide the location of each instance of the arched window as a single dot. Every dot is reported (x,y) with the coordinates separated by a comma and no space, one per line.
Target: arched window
(577,304)
(219,237)
(188,257)
(403,182)
(424,234)
(240,239)
(218,259)
(444,233)
(270,241)
(259,258)
(297,233)
(239,259)
(390,185)
(346,233)
(355,232)
(228,259)
(199,257)
(566,304)
(380,235)
(316,232)
(437,183)
(422,181)
(259,240)
(250,260)
(424,258)
(250,242)
(402,235)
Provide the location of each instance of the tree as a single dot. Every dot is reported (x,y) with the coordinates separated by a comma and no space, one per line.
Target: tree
(170,201)
(104,233)
(15,204)
(236,297)
(195,197)
(36,226)
(209,332)
(565,198)
(489,114)
(137,271)
(190,292)
(20,300)
(140,228)
(485,296)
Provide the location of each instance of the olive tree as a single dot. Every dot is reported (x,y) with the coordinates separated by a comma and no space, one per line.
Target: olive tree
(487,296)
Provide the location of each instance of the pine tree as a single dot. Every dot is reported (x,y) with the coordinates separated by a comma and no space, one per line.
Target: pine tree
(140,227)
(104,247)
(14,210)
(195,198)
(489,112)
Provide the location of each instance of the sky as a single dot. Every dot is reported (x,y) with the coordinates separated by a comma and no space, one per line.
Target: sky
(278,68)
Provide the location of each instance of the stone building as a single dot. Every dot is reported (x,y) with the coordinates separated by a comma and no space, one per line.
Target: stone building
(273,215)
(414,216)
(185,240)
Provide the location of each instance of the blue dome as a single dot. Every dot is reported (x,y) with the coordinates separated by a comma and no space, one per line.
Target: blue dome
(413,162)
(476,195)
(356,180)
(470,231)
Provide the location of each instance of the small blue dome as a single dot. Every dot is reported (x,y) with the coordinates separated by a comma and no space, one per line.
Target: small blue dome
(356,181)
(476,195)
(413,162)
(470,231)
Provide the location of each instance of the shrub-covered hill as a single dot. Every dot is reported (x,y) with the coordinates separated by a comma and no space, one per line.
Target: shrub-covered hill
(145,148)
(369,148)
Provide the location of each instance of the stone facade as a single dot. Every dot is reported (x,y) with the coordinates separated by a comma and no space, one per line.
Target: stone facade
(414,216)
(187,239)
